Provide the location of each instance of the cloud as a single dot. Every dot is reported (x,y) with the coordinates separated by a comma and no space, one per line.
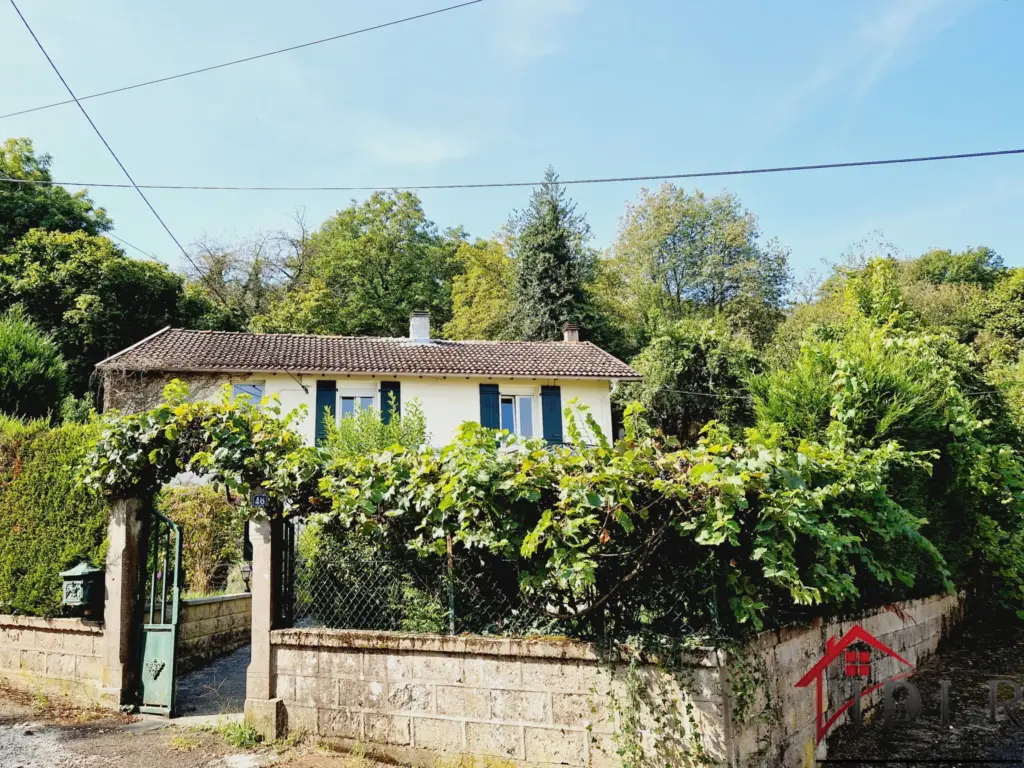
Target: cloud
(390,143)
(531,29)
(895,33)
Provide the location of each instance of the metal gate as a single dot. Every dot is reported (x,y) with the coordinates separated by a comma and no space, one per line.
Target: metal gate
(160,622)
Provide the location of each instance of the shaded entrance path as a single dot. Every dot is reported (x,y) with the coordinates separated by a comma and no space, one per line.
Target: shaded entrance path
(981,653)
(216,689)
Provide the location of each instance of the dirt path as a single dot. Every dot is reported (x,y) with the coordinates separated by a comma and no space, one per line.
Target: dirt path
(37,734)
(982,653)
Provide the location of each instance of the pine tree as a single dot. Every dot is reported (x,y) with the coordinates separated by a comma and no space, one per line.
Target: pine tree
(553,262)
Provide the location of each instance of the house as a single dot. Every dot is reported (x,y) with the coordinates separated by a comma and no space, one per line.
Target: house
(521,386)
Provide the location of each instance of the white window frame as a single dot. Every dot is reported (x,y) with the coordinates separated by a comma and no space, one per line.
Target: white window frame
(355,391)
(517,393)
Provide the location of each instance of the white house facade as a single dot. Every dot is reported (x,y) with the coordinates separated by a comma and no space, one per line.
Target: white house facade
(520,386)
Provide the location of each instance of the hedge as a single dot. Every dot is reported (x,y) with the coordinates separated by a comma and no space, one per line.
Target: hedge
(49,520)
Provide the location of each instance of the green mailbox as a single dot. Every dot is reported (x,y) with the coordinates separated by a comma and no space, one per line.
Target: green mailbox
(83,590)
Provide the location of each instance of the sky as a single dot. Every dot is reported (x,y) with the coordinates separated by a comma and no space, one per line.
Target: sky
(499,90)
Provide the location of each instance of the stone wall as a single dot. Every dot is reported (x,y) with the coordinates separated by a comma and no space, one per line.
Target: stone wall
(54,656)
(416,698)
(210,627)
(527,702)
(779,727)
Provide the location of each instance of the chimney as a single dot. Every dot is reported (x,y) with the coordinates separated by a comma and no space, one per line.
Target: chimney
(419,326)
(572,332)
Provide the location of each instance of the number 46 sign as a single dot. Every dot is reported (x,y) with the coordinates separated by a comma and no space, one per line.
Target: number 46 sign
(260,500)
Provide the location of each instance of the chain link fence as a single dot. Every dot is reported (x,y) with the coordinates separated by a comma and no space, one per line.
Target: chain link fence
(334,580)
(340,584)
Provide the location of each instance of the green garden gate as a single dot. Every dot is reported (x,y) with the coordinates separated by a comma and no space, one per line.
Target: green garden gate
(159,635)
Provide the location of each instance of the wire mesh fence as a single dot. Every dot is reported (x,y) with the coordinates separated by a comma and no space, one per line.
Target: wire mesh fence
(336,581)
(339,584)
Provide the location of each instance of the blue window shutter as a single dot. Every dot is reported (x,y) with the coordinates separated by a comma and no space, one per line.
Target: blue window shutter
(489,406)
(388,388)
(551,414)
(326,399)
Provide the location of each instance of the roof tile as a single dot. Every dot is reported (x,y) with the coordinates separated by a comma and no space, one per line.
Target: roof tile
(175,349)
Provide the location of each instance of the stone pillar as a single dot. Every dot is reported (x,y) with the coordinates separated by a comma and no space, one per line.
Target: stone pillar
(263,710)
(121,608)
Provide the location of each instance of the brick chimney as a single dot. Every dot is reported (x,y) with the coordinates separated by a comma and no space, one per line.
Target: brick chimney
(571,333)
(419,326)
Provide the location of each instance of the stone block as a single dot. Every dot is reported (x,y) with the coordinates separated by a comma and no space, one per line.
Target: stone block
(553,675)
(34,661)
(336,663)
(285,687)
(340,724)
(492,672)
(398,667)
(351,693)
(410,697)
(267,716)
(375,666)
(300,719)
(493,739)
(437,668)
(603,751)
(297,661)
(47,641)
(580,709)
(388,729)
(316,691)
(439,735)
(60,665)
(10,658)
(520,706)
(463,702)
(89,668)
(80,645)
(555,745)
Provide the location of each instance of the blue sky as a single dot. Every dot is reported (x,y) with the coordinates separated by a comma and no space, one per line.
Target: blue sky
(499,90)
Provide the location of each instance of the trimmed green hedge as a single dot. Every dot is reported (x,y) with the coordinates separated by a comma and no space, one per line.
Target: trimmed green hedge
(48,520)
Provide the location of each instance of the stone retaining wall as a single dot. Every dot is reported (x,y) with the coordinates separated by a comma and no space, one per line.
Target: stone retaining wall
(416,698)
(210,627)
(54,656)
(781,722)
(528,702)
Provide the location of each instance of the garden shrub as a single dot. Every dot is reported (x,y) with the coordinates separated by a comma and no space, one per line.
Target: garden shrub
(212,532)
(49,520)
(33,376)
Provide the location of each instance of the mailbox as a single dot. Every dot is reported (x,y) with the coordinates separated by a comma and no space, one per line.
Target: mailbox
(83,590)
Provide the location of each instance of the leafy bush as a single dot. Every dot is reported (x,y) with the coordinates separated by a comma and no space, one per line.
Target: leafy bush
(212,533)
(875,383)
(693,373)
(366,432)
(49,520)
(641,535)
(32,371)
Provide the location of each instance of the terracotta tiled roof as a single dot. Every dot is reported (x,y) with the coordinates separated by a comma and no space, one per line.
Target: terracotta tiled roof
(174,349)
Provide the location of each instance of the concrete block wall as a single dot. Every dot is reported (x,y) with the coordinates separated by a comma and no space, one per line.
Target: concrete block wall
(524,702)
(210,627)
(54,656)
(780,727)
(421,698)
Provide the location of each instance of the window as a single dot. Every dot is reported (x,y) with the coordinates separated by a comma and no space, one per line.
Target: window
(352,403)
(252,390)
(517,414)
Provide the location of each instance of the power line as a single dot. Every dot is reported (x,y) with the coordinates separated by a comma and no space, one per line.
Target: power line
(241,61)
(114,154)
(122,240)
(497,184)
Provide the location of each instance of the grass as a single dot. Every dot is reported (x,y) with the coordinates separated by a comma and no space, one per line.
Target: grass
(184,742)
(239,735)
